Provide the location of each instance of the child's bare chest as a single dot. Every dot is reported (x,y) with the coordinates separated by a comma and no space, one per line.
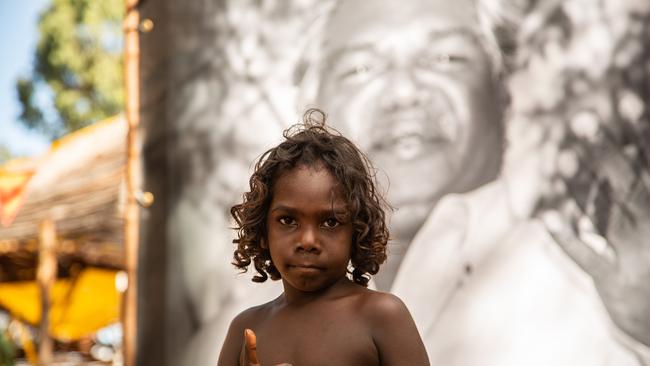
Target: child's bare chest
(316,336)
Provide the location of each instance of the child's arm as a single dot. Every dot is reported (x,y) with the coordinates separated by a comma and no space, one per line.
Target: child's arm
(240,346)
(233,349)
(394,332)
(248,355)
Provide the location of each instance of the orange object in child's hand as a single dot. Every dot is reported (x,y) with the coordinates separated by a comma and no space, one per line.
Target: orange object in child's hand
(249,351)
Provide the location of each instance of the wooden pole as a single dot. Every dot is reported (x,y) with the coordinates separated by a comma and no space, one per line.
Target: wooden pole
(132,211)
(45,276)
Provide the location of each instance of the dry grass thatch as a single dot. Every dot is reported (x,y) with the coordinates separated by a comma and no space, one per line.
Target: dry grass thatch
(80,185)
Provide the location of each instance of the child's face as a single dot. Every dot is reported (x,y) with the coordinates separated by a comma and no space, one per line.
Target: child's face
(309,230)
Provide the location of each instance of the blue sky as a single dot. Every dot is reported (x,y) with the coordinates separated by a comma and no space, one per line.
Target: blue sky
(18,38)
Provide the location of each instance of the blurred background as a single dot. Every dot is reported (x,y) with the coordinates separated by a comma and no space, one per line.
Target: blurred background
(87,158)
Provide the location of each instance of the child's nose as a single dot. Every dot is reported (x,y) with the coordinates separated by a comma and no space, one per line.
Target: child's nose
(308,241)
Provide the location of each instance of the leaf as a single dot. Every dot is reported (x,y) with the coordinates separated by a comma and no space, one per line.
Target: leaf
(78,63)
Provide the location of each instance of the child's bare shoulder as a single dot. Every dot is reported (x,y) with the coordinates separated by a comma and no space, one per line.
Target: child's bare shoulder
(247,319)
(252,315)
(374,306)
(393,330)
(379,305)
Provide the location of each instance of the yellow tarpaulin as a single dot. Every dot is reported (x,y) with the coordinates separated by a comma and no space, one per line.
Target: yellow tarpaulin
(79,307)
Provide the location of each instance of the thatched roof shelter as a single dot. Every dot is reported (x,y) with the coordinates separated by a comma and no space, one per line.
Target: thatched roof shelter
(79,184)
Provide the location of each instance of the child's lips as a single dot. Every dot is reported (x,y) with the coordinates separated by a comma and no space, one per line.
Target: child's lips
(306,267)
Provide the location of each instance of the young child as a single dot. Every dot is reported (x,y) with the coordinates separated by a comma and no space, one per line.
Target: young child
(313,215)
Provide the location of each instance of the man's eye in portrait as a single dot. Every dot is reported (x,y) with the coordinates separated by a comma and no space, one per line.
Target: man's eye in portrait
(356,68)
(441,61)
(357,73)
(448,52)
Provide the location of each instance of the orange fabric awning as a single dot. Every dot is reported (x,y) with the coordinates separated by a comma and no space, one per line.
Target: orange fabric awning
(12,193)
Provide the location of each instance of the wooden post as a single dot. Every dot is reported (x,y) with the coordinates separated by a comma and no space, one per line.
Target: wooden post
(45,276)
(132,211)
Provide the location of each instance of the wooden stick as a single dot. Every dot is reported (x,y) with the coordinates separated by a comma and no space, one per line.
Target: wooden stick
(132,211)
(45,276)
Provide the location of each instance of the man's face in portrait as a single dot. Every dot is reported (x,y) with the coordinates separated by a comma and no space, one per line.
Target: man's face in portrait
(412,84)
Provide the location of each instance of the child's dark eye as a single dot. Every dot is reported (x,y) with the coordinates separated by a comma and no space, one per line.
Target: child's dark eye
(287,220)
(331,223)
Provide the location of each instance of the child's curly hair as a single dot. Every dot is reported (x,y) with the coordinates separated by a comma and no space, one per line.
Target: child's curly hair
(311,143)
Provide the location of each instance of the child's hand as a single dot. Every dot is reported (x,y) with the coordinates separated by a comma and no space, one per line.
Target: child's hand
(248,355)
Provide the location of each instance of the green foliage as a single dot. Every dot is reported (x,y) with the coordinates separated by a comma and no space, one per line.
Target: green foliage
(5,154)
(7,351)
(79,59)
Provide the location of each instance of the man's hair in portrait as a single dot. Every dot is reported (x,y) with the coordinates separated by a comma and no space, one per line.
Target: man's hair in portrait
(312,144)
(498,20)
